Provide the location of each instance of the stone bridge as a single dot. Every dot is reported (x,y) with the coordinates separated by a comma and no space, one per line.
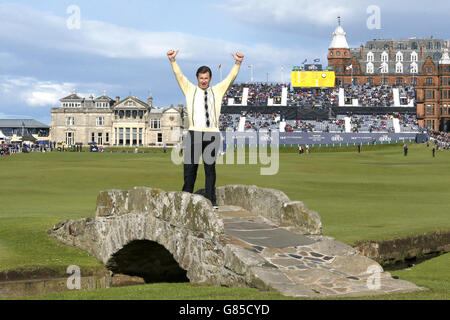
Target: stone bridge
(258,238)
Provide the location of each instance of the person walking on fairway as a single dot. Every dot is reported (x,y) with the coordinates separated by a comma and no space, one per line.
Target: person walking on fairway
(405,149)
(203,106)
(434,151)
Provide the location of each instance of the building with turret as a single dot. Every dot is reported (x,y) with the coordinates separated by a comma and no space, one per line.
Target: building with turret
(419,63)
(108,122)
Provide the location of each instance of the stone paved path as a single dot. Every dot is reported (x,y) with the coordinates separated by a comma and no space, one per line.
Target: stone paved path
(306,266)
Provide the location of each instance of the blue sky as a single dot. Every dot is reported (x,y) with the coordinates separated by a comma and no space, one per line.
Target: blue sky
(121,45)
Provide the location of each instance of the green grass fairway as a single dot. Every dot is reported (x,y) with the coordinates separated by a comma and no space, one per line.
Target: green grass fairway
(433,275)
(375,195)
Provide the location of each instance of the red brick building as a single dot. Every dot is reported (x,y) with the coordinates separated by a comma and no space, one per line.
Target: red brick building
(422,63)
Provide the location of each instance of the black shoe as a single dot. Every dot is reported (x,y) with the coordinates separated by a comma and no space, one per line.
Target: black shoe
(215,206)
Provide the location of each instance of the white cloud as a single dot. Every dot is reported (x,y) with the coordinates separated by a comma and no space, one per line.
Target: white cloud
(36,93)
(291,12)
(26,25)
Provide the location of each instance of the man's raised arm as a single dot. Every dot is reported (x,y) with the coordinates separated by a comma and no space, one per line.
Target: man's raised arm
(228,81)
(183,82)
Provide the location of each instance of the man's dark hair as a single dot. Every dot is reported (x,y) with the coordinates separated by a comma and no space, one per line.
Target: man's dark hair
(204,69)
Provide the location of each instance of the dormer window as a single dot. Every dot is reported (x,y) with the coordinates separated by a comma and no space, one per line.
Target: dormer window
(370,57)
(384,57)
(399,57)
(414,57)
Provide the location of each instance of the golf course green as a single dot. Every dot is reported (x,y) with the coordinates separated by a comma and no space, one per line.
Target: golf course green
(377,195)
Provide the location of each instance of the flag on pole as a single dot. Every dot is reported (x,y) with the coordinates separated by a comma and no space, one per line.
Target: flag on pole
(306,60)
(220,66)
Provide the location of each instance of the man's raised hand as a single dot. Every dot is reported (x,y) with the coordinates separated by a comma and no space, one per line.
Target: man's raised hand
(239,57)
(172,54)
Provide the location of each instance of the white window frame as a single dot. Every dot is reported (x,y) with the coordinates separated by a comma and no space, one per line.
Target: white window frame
(100,121)
(384,57)
(399,67)
(370,68)
(399,56)
(415,68)
(72,138)
(157,122)
(70,121)
(370,57)
(414,57)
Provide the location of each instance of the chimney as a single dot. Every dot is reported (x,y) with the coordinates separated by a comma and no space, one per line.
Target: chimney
(150,101)
(447,44)
(390,51)
(362,51)
(422,52)
(117,99)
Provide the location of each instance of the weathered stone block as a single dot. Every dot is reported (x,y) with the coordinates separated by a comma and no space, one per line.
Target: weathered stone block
(112,203)
(297,215)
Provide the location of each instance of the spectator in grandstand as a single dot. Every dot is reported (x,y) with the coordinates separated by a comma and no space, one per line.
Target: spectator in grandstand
(203,105)
(367,95)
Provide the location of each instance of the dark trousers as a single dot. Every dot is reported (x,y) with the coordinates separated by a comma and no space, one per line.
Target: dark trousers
(205,144)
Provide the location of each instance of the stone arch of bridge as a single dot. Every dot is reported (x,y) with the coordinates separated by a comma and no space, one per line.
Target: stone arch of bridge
(148,260)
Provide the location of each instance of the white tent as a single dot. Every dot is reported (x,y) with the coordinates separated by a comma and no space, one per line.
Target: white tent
(2,136)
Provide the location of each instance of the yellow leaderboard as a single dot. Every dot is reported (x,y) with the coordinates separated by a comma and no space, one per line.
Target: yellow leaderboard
(313,79)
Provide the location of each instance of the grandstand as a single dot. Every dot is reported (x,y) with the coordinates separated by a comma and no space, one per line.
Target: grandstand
(281,94)
(258,107)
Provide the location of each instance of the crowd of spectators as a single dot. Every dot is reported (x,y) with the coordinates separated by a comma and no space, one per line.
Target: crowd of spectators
(384,123)
(255,121)
(314,97)
(7,149)
(376,96)
(258,94)
(337,125)
(442,139)
(229,122)
(367,95)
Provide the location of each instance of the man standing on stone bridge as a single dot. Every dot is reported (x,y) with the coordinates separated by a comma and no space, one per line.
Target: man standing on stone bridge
(203,105)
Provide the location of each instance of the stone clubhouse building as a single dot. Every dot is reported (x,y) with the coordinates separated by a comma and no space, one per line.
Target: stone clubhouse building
(107,122)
